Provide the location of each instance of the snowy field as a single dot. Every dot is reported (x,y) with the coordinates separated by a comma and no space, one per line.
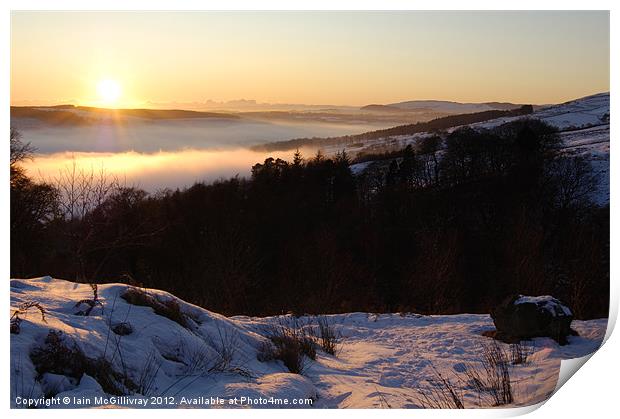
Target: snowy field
(203,359)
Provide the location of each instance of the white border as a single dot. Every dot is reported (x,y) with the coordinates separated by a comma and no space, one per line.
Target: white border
(593,393)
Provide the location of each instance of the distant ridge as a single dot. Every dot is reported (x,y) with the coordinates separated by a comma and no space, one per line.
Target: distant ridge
(441,107)
(84,115)
(382,108)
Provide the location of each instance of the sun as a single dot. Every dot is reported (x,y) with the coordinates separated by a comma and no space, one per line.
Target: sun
(109,91)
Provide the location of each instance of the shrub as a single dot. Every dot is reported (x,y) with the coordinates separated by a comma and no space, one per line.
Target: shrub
(61,356)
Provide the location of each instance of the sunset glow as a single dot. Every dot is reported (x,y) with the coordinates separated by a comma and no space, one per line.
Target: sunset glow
(109,91)
(153,171)
(338,58)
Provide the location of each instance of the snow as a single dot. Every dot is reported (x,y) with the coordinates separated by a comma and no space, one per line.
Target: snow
(449,107)
(587,111)
(384,361)
(546,302)
(358,168)
(580,113)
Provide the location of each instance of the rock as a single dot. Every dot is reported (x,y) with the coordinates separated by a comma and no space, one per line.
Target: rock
(523,317)
(122,329)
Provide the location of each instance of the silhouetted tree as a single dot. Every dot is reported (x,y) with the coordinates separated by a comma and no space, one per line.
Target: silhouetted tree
(452,223)
(33,207)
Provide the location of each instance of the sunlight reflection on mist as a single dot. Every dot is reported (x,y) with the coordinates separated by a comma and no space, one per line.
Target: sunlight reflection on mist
(155,171)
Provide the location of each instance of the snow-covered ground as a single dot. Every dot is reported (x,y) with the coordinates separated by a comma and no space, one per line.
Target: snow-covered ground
(385,360)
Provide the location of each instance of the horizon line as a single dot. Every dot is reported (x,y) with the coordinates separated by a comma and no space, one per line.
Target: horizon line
(256,103)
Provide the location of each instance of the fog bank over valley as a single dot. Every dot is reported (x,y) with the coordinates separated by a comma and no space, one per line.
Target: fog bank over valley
(166,152)
(155,171)
(174,134)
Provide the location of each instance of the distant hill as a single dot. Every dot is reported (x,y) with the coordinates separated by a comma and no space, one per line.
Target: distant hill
(441,107)
(159,113)
(84,115)
(382,108)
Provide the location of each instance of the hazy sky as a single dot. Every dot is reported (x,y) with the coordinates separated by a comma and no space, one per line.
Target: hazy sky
(347,57)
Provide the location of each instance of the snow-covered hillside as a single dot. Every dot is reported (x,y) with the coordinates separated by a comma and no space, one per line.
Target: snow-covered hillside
(187,355)
(448,107)
(576,114)
(583,126)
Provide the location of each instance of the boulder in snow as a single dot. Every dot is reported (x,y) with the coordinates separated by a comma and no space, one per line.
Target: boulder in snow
(122,328)
(524,317)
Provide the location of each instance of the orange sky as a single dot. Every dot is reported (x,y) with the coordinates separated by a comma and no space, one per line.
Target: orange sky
(353,58)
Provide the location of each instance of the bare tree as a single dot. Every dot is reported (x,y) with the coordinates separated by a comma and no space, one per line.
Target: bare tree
(573,178)
(20,151)
(33,205)
(82,190)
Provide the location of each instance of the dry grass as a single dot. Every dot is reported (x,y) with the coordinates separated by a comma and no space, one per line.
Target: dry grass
(294,343)
(489,378)
(170,309)
(492,382)
(327,337)
(22,309)
(90,303)
(441,393)
(217,354)
(225,345)
(291,344)
(520,353)
(197,359)
(148,373)
(19,387)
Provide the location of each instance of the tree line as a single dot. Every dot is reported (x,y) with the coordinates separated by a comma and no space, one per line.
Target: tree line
(450,224)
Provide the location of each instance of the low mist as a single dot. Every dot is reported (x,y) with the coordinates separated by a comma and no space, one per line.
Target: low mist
(155,171)
(173,135)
